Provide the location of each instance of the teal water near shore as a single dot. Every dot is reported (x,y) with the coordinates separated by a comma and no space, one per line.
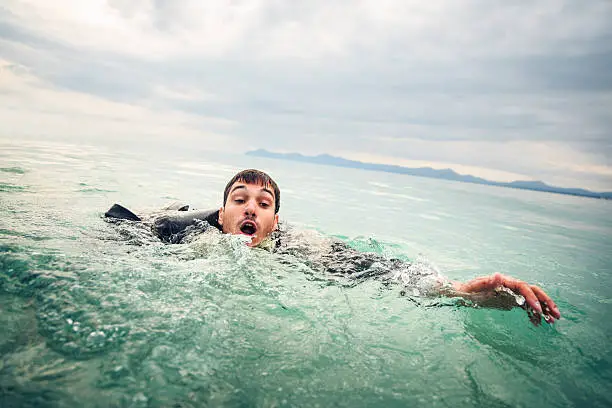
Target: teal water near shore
(94,314)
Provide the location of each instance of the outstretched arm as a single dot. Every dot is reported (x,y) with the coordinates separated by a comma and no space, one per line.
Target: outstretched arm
(486,288)
(490,291)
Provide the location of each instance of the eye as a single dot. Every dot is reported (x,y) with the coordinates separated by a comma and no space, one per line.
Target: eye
(238,200)
(264,204)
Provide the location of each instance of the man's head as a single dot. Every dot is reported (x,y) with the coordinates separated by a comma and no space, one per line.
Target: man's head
(251,201)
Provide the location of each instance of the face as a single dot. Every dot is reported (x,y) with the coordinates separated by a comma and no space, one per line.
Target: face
(249,210)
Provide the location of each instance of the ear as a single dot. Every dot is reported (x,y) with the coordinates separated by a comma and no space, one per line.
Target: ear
(220,220)
(275,222)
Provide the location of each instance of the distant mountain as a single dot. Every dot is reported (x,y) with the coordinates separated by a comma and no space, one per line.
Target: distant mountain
(445,174)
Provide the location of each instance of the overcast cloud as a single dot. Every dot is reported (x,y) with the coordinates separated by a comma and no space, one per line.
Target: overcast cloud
(499,89)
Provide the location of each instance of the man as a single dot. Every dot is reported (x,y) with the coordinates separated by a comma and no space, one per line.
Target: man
(251,202)
(250,207)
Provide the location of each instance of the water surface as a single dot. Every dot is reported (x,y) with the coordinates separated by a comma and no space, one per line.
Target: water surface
(103,315)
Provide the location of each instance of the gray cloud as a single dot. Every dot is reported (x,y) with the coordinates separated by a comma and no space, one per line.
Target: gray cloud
(375,76)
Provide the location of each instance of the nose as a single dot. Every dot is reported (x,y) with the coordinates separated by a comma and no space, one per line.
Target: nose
(250,207)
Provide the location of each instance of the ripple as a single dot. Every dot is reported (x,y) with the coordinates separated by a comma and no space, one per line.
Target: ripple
(11,188)
(14,170)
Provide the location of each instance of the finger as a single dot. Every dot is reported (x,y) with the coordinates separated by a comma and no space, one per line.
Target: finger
(534,317)
(524,290)
(544,298)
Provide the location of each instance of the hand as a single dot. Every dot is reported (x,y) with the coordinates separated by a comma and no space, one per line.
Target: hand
(535,297)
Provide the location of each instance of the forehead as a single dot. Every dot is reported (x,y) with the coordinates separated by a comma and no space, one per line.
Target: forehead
(241,186)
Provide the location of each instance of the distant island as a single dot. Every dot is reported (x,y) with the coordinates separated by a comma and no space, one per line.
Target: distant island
(444,174)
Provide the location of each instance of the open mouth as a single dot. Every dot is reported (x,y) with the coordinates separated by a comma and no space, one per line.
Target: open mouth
(248,228)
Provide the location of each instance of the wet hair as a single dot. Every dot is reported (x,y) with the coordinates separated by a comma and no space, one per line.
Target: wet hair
(252,176)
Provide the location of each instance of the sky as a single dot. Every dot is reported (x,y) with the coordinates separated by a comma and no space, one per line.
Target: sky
(499,89)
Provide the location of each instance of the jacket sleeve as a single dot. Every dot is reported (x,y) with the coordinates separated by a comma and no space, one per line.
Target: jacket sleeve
(173,226)
(416,278)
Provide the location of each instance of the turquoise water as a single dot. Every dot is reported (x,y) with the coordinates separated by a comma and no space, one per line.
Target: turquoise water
(94,314)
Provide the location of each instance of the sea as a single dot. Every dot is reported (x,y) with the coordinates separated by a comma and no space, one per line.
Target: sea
(102,314)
